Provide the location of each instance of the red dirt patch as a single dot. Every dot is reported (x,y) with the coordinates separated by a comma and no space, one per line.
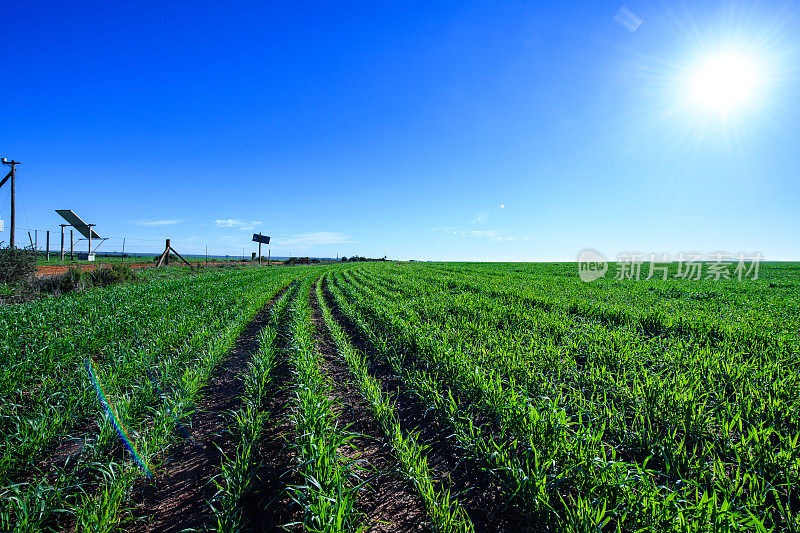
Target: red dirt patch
(45,271)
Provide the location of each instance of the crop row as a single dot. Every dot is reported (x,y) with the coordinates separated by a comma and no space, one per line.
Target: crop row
(328,492)
(239,471)
(148,393)
(444,510)
(680,454)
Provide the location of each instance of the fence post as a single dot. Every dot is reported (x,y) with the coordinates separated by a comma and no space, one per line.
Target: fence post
(164,259)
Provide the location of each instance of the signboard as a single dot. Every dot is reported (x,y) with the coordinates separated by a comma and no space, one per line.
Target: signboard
(257,237)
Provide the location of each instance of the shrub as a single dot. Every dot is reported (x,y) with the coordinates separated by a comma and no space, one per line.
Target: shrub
(117,273)
(172,258)
(72,280)
(75,279)
(17,265)
(78,280)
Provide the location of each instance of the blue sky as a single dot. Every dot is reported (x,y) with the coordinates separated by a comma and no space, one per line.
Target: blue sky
(429,130)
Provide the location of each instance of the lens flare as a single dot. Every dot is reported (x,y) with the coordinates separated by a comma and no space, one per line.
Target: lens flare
(115,421)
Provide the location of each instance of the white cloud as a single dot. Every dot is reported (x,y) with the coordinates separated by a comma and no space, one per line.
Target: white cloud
(491,234)
(168,222)
(238,223)
(316,238)
(496,235)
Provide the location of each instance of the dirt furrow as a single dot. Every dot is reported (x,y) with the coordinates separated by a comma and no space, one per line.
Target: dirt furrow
(176,498)
(270,506)
(481,498)
(391,503)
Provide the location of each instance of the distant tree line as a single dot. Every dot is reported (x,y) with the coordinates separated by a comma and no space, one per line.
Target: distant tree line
(301,261)
(359,258)
(309,261)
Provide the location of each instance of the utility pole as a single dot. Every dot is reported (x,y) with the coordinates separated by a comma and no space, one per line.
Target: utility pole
(11,175)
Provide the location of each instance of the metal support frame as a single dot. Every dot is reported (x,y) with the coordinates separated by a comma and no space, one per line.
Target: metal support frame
(99,243)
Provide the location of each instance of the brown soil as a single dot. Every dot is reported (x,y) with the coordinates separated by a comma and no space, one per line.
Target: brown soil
(68,448)
(481,498)
(390,503)
(271,506)
(45,271)
(176,498)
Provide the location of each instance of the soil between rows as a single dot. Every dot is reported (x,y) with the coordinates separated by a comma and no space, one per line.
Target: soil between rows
(270,506)
(176,498)
(482,499)
(391,503)
(64,451)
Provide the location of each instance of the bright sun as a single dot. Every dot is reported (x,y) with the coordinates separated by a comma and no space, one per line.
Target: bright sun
(724,82)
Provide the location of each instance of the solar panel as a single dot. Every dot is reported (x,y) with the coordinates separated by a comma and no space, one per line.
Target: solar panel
(76,222)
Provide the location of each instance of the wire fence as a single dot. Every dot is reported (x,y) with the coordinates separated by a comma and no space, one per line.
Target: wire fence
(193,248)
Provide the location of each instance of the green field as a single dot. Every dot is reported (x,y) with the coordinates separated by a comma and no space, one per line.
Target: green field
(485,397)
